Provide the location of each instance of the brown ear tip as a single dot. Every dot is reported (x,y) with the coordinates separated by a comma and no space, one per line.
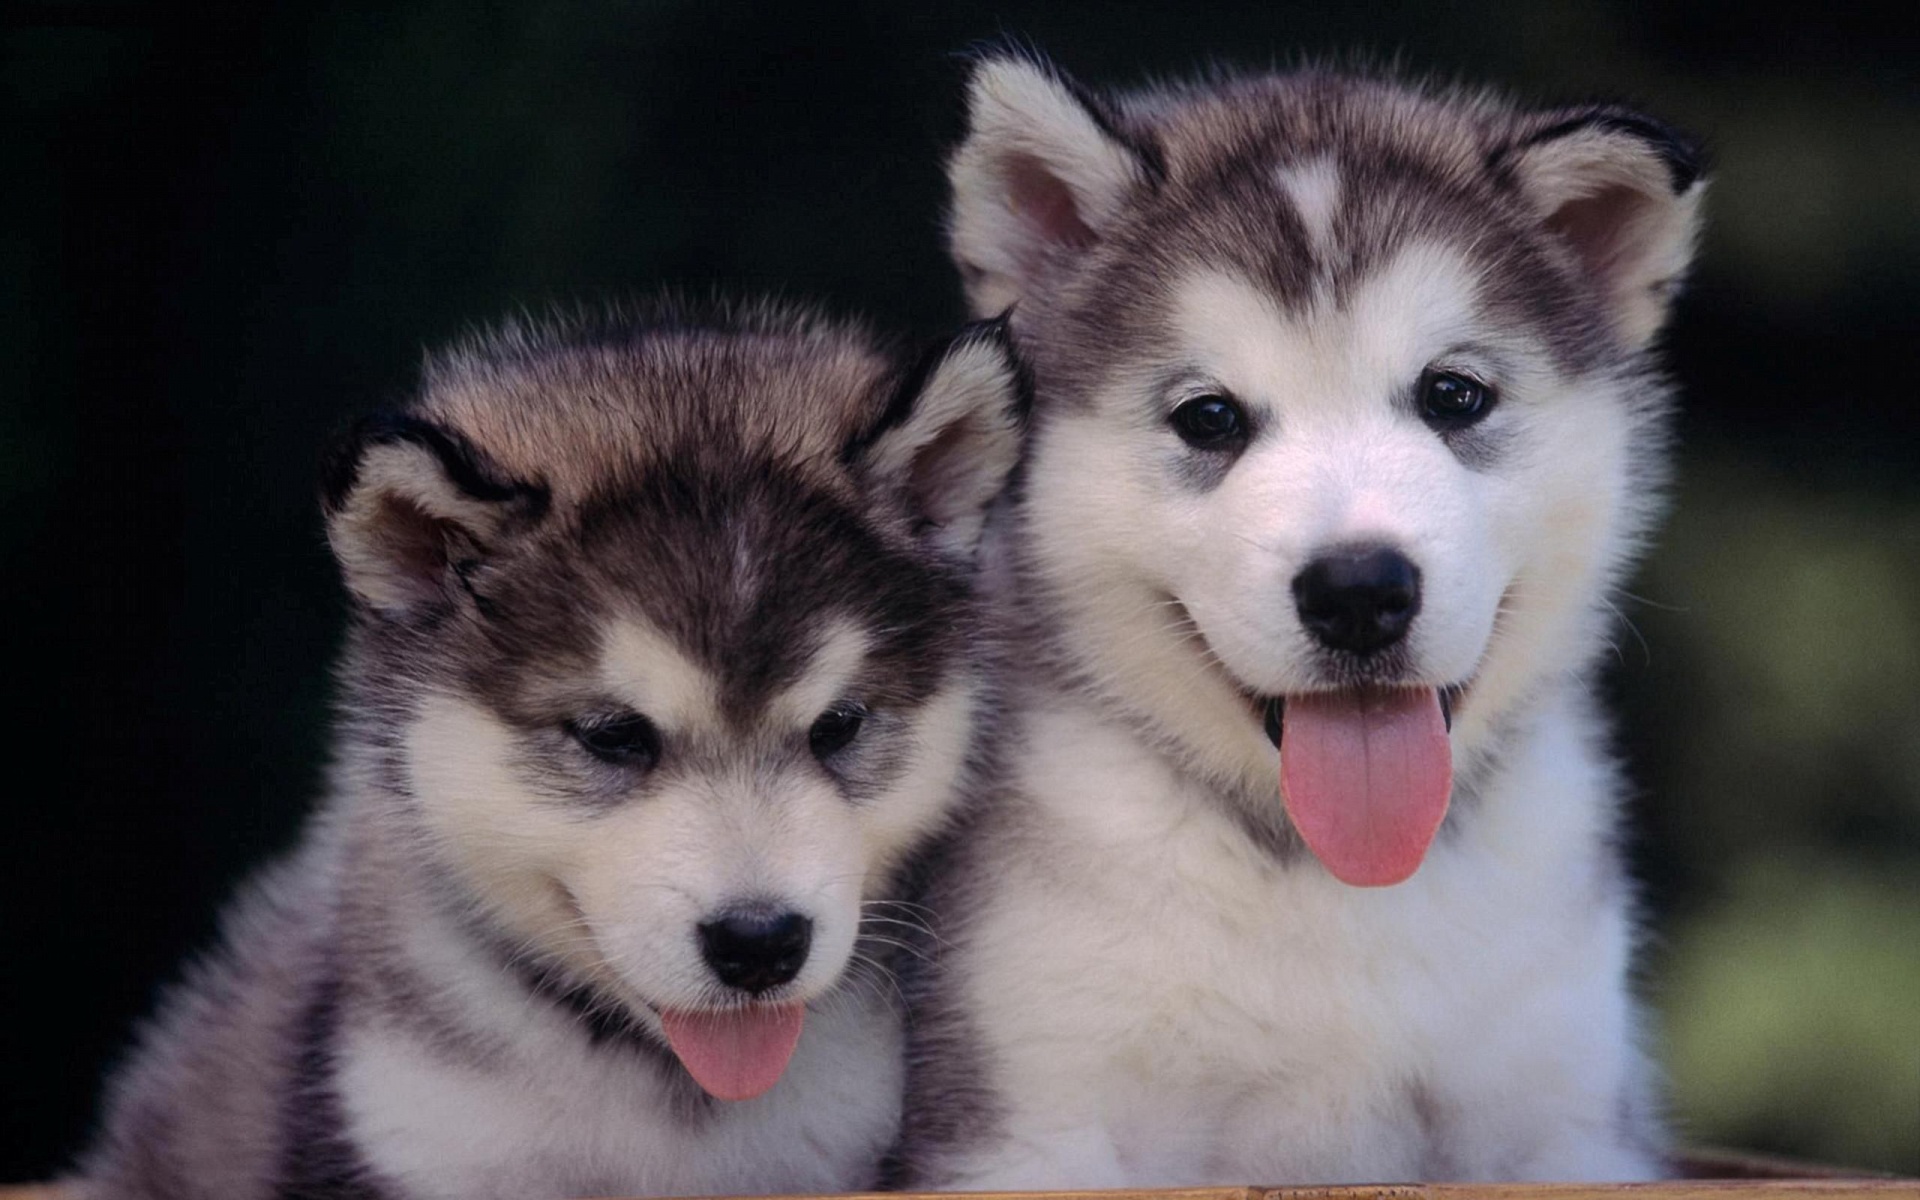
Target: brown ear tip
(464,465)
(997,332)
(1683,155)
(908,384)
(1680,152)
(340,463)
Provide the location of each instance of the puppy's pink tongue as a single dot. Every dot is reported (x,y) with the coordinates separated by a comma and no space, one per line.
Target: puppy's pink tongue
(1366,777)
(737,1054)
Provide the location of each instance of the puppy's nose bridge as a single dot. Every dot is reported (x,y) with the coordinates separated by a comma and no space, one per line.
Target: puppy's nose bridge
(1358,598)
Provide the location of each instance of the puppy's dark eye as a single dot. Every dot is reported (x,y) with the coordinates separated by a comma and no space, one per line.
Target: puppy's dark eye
(834,728)
(1211,422)
(623,739)
(1449,400)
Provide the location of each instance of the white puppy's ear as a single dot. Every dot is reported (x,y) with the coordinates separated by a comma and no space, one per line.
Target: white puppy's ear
(412,509)
(1623,191)
(951,436)
(1042,170)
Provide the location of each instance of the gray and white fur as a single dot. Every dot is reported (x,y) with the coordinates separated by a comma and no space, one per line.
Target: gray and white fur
(662,625)
(1277,321)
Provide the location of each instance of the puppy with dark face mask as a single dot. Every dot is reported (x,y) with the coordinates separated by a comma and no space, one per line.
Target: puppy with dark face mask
(662,671)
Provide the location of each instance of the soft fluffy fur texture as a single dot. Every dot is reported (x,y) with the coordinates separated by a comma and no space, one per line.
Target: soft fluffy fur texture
(1146,978)
(739,526)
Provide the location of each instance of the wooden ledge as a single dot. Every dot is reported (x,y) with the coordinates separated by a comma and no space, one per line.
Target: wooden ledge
(1706,1175)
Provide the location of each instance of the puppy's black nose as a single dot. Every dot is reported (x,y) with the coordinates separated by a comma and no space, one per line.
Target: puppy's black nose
(1358,598)
(756,950)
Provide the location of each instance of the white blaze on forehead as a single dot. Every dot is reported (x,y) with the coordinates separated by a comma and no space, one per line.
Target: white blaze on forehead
(644,667)
(836,659)
(1314,188)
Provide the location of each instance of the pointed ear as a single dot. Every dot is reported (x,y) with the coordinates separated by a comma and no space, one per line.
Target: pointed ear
(411,508)
(951,436)
(1041,173)
(1623,192)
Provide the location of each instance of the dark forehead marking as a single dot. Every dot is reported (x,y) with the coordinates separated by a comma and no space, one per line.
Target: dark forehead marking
(1409,168)
(1390,204)
(748,566)
(1386,198)
(1242,217)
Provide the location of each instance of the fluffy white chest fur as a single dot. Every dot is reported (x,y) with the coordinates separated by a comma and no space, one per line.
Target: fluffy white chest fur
(570,1120)
(1162,1002)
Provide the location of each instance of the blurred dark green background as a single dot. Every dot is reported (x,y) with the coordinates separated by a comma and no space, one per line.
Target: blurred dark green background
(226,229)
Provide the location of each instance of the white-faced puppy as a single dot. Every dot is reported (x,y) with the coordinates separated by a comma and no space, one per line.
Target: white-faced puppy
(1346,422)
(662,670)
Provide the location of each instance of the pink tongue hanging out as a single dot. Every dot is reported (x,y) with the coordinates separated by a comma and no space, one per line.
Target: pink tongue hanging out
(739,1053)
(1366,776)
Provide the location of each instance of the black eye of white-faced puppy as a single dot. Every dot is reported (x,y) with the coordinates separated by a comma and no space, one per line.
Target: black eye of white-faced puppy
(625,739)
(833,729)
(1211,422)
(1452,400)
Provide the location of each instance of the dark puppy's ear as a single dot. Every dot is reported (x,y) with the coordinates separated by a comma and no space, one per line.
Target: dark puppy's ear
(1043,170)
(951,435)
(1623,192)
(411,507)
